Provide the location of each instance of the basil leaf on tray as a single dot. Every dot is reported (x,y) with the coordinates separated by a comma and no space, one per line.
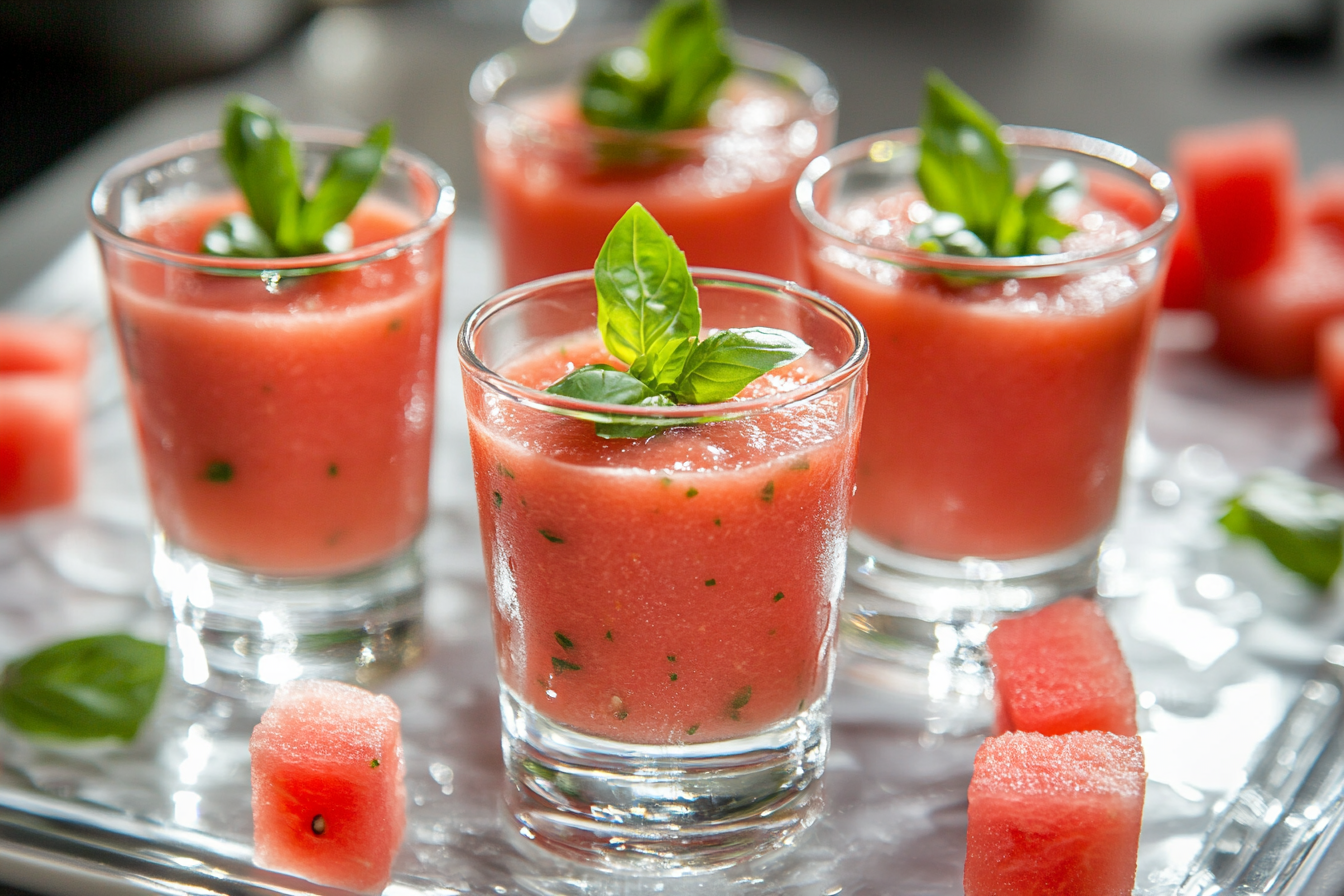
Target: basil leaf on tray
(648,315)
(1301,522)
(968,177)
(264,164)
(671,80)
(102,686)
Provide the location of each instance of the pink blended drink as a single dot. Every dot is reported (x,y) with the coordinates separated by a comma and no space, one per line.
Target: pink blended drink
(1003,387)
(284,405)
(666,606)
(555,185)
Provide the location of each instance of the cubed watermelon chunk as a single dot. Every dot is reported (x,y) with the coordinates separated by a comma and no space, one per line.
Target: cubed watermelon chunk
(328,791)
(1330,371)
(1054,815)
(40,417)
(1184,289)
(42,345)
(1324,199)
(1267,323)
(1060,669)
(1242,182)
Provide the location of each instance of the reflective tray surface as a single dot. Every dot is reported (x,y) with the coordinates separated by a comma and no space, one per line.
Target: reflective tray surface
(1218,637)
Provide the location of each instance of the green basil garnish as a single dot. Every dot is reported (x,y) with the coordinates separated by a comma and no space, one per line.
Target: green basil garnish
(722,365)
(669,81)
(968,176)
(648,314)
(1301,522)
(264,164)
(103,686)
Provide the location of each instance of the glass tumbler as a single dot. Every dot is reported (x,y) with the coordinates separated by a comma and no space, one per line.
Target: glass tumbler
(555,185)
(284,408)
(665,607)
(1002,391)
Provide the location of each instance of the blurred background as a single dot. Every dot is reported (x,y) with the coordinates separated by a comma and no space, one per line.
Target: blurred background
(84,83)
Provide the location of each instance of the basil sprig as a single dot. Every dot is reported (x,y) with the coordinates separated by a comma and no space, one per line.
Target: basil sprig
(103,686)
(968,177)
(670,81)
(1301,522)
(648,314)
(283,221)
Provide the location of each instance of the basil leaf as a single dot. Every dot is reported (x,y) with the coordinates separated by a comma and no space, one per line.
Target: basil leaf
(1301,522)
(964,166)
(1058,186)
(617,92)
(102,686)
(616,429)
(646,299)
(351,171)
(946,232)
(661,368)
(601,383)
(605,384)
(720,366)
(688,56)
(238,235)
(669,82)
(1011,235)
(260,156)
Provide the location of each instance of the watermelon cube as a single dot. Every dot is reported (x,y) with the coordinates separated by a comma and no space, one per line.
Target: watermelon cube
(1054,815)
(1060,669)
(1267,323)
(37,345)
(1324,200)
(1330,372)
(328,789)
(1241,180)
(1184,289)
(40,417)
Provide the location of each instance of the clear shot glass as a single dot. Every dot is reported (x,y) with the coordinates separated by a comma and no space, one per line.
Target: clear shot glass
(665,607)
(1002,391)
(555,185)
(284,408)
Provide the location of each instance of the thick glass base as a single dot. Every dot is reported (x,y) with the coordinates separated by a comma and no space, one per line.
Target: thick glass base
(662,809)
(239,634)
(926,620)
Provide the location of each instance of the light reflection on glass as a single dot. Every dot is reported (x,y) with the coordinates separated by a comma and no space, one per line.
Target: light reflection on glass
(545,20)
(186,808)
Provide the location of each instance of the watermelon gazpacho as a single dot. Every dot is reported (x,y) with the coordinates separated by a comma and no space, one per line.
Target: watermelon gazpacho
(1055,815)
(328,791)
(1060,669)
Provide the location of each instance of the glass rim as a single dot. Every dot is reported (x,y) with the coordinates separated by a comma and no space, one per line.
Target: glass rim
(493,73)
(106,231)
(538,399)
(1158,180)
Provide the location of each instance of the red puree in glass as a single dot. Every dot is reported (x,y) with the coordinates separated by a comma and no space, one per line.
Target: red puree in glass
(286,433)
(723,192)
(998,412)
(673,589)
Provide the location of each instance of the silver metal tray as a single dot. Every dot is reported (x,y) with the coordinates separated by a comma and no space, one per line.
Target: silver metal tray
(1218,637)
